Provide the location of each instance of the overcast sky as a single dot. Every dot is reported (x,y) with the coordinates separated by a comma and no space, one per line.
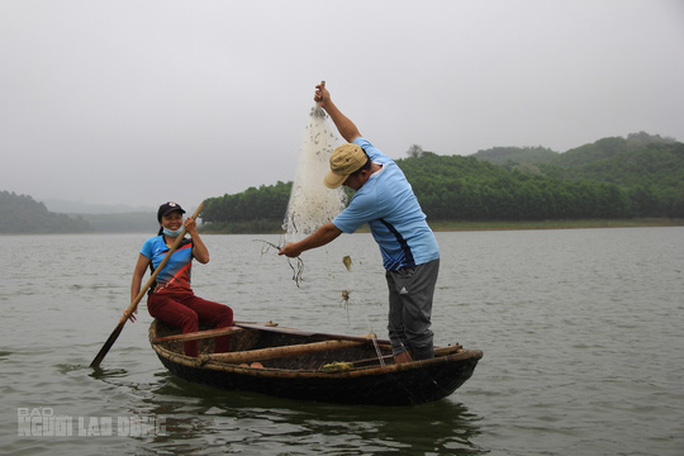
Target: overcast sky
(138,102)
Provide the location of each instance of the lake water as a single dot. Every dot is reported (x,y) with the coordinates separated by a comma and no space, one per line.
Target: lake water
(581,332)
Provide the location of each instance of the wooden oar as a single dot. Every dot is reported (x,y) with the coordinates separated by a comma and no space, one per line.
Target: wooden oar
(134,305)
(278,352)
(206,333)
(199,335)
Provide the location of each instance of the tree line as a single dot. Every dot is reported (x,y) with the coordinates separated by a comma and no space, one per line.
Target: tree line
(640,176)
(463,188)
(256,210)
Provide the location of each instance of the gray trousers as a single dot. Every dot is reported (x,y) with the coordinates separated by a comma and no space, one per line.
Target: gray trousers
(410,308)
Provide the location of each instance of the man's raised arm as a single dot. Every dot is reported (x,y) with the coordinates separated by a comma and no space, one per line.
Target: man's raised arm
(344,125)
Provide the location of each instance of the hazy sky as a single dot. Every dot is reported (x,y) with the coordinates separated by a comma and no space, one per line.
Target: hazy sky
(138,102)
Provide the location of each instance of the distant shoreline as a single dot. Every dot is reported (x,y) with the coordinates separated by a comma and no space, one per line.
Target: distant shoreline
(442,226)
(554,224)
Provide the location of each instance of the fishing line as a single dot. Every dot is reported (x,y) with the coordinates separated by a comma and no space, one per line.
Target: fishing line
(296,264)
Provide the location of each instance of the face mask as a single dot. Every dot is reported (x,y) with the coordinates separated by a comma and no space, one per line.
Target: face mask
(173,233)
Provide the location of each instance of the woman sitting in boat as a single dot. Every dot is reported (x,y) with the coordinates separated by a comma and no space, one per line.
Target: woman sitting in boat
(171,299)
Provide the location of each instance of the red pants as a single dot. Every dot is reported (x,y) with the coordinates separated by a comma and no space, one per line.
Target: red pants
(187,311)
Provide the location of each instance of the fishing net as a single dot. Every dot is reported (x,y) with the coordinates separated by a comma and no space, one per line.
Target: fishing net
(312,204)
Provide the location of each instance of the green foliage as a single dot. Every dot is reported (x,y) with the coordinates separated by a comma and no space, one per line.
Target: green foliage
(613,178)
(415,151)
(23,215)
(610,149)
(652,174)
(266,203)
(505,156)
(648,168)
(463,188)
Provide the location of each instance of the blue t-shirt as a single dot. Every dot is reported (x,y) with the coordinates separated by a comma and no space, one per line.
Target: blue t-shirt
(387,203)
(175,276)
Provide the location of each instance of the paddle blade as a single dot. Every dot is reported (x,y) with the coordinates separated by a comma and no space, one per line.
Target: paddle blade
(108,344)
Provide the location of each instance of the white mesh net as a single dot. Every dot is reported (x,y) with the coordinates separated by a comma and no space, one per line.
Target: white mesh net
(312,204)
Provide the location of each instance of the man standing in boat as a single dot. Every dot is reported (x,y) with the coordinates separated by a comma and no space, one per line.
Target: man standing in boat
(385,201)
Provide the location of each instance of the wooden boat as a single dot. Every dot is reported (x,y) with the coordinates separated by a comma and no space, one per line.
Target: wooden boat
(296,364)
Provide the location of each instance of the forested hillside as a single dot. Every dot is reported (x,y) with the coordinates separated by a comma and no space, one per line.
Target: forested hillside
(23,215)
(463,188)
(649,168)
(641,176)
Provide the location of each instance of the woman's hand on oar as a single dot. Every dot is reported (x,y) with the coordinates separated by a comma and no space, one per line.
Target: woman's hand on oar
(133,316)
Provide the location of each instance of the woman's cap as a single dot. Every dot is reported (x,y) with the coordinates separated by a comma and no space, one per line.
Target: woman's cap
(344,161)
(167,208)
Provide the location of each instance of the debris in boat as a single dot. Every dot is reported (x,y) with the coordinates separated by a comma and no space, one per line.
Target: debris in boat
(337,366)
(347,262)
(297,267)
(254,365)
(345,296)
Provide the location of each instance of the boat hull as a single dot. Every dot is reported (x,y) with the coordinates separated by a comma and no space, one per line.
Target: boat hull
(389,384)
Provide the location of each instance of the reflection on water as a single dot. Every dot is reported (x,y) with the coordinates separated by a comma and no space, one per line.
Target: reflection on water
(253,423)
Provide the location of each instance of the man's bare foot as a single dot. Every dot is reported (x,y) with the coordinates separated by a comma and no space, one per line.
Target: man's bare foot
(403,357)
